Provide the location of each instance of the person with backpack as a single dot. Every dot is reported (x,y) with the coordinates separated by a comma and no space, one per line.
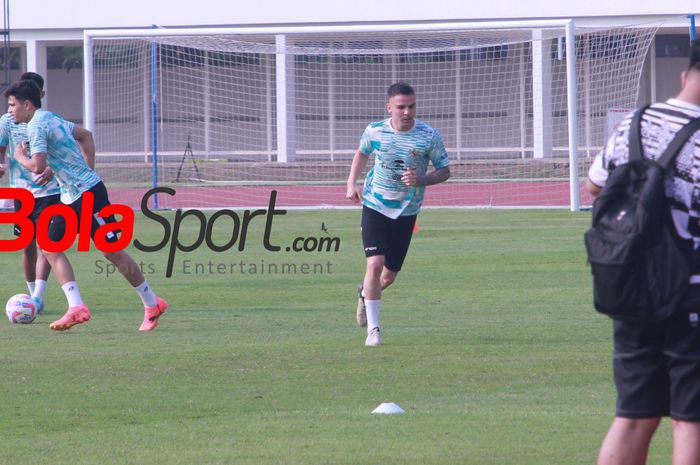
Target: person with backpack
(656,357)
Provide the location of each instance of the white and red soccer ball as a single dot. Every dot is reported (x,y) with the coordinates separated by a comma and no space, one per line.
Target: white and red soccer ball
(21,308)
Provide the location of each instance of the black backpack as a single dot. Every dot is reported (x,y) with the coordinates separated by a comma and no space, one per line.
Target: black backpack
(640,266)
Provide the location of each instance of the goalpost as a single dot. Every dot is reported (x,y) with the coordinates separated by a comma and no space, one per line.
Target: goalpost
(226,115)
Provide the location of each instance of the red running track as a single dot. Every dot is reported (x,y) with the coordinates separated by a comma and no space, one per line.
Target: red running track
(487,194)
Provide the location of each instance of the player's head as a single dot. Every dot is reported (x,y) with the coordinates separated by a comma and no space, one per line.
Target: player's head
(401,106)
(23,98)
(400,88)
(690,78)
(36,77)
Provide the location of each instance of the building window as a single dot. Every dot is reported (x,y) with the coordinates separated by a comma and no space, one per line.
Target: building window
(67,58)
(672,46)
(13,59)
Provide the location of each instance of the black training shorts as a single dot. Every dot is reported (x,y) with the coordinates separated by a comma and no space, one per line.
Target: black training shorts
(57,228)
(40,203)
(657,365)
(382,235)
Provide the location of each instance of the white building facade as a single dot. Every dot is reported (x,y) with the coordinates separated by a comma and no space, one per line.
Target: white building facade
(507,111)
(48,35)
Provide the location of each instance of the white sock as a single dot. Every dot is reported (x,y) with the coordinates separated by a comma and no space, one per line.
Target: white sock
(39,288)
(31,285)
(70,289)
(147,295)
(372,314)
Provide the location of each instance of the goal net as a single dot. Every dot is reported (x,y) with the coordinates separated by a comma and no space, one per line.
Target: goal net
(226,116)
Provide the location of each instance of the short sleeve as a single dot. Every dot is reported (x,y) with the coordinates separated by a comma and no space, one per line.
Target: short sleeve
(598,172)
(70,126)
(438,154)
(37,133)
(4,131)
(366,142)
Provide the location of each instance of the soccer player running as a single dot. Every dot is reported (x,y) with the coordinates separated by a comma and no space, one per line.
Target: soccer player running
(51,143)
(392,195)
(43,187)
(656,366)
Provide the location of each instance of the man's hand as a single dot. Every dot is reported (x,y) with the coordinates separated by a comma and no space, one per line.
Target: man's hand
(353,193)
(409,177)
(21,150)
(44,177)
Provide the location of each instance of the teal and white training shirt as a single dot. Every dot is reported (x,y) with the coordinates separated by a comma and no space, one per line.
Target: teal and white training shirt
(49,133)
(394,152)
(11,135)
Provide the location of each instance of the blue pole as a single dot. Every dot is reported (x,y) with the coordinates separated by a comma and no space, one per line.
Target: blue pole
(693,35)
(154,113)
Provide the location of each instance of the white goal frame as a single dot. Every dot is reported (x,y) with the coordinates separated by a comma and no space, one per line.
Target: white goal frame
(281,34)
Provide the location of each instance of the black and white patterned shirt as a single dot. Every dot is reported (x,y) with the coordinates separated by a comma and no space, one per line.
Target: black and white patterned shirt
(659,124)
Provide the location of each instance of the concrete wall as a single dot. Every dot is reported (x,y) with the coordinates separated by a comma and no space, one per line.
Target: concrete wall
(65,21)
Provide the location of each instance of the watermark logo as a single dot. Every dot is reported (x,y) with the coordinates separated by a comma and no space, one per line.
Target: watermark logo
(242,268)
(74,225)
(171,240)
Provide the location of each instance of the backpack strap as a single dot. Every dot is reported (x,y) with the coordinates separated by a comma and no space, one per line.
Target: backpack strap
(672,150)
(679,140)
(635,138)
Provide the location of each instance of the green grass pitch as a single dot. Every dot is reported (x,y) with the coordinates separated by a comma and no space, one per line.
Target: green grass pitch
(491,347)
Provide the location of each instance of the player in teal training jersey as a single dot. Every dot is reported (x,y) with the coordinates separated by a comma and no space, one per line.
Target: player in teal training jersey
(402,147)
(43,187)
(51,142)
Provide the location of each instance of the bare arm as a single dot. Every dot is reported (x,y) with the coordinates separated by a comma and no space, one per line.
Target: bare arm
(435,177)
(410,178)
(353,191)
(35,164)
(42,179)
(2,160)
(593,189)
(86,143)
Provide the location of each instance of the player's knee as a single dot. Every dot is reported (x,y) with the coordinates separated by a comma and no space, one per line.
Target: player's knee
(51,257)
(112,256)
(388,279)
(374,267)
(687,427)
(638,427)
(30,250)
(48,254)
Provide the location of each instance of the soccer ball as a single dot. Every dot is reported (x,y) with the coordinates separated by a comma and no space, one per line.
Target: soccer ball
(21,308)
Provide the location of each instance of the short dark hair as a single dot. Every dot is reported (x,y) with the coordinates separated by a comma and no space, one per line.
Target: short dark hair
(25,90)
(400,88)
(36,77)
(694,62)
